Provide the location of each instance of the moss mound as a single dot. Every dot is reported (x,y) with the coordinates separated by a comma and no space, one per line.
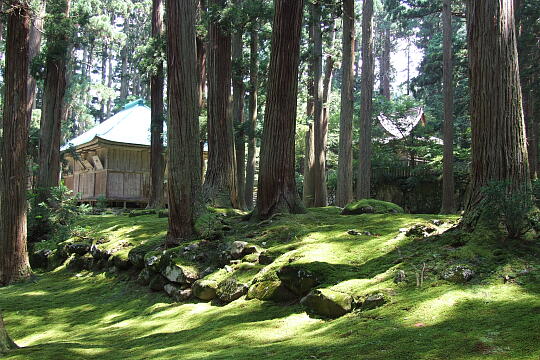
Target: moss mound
(370,206)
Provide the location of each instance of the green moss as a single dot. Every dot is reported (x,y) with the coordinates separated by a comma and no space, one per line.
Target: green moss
(379,207)
(96,316)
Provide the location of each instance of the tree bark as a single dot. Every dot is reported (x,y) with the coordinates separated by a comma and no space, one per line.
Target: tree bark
(448,197)
(157,167)
(344,194)
(319,165)
(220,185)
(238,111)
(54,92)
(532,131)
(499,150)
(6,343)
(33,50)
(104,57)
(277,184)
(124,81)
(183,143)
(309,160)
(364,172)
(14,264)
(253,113)
(385,63)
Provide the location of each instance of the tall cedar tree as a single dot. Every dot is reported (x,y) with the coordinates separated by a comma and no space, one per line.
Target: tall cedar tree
(253,114)
(57,31)
(183,143)
(220,185)
(385,60)
(277,185)
(319,173)
(344,194)
(364,169)
(14,264)
(499,149)
(6,343)
(36,31)
(157,167)
(239,90)
(448,202)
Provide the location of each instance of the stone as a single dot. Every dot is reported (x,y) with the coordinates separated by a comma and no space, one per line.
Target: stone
(153,263)
(77,249)
(328,303)
(437,222)
(144,277)
(207,271)
(361,210)
(230,290)
(99,254)
(175,274)
(157,282)
(420,230)
(353,232)
(178,293)
(297,280)
(265,258)
(78,263)
(459,274)
(204,289)
(270,290)
(372,302)
(40,259)
(237,249)
(400,277)
(121,263)
(136,258)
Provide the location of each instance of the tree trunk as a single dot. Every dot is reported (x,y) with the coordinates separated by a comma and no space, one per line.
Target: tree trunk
(156,142)
(6,343)
(385,63)
(309,160)
(14,264)
(124,82)
(364,173)
(104,57)
(253,113)
(277,184)
(35,44)
(344,194)
(532,132)
(220,185)
(448,202)
(238,111)
(499,150)
(319,171)
(54,93)
(201,70)
(183,144)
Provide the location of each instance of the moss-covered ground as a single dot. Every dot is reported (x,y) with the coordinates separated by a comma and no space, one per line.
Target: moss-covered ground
(85,315)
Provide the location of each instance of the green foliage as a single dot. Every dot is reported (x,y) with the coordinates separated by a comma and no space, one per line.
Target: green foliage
(509,205)
(54,218)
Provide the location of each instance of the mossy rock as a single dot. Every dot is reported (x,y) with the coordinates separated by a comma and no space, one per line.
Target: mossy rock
(270,290)
(78,263)
(298,280)
(121,261)
(328,303)
(205,289)
(144,277)
(157,282)
(230,290)
(180,274)
(371,206)
(370,302)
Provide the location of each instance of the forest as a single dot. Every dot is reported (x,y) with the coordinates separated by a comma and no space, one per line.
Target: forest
(275,179)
